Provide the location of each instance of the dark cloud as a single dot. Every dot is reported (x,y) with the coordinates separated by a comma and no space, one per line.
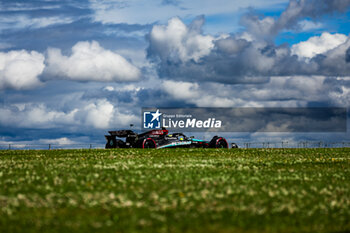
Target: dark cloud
(185,53)
(266,119)
(160,98)
(19,15)
(347,55)
(268,27)
(66,35)
(62,108)
(24,5)
(248,62)
(41,24)
(59,100)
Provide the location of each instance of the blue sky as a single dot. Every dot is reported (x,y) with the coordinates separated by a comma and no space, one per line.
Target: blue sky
(71,70)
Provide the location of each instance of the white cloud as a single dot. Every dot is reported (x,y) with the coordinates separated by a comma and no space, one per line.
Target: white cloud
(99,114)
(183,52)
(109,88)
(176,41)
(181,90)
(280,91)
(34,116)
(90,62)
(340,95)
(94,114)
(5,45)
(143,12)
(57,141)
(123,118)
(20,69)
(307,25)
(318,44)
(22,21)
(26,7)
(259,27)
(43,143)
(194,94)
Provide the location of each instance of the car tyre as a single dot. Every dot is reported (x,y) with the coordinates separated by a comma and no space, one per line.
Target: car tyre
(111,143)
(221,143)
(149,143)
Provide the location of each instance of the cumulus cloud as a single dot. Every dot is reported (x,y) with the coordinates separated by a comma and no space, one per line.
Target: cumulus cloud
(98,114)
(184,53)
(94,114)
(177,42)
(240,59)
(193,93)
(90,62)
(143,11)
(318,45)
(21,21)
(181,90)
(205,58)
(307,25)
(339,93)
(33,116)
(268,27)
(279,91)
(20,69)
(347,55)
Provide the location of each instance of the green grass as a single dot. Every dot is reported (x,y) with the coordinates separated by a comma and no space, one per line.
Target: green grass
(187,190)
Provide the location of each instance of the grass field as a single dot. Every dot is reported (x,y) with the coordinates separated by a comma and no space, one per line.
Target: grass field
(187,190)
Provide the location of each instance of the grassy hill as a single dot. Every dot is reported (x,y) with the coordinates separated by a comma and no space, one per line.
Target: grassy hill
(175,190)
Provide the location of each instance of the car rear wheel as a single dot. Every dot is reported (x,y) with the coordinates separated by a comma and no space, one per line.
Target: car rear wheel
(114,143)
(148,143)
(111,143)
(221,143)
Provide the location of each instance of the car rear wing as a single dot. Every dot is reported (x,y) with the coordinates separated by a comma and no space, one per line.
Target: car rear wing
(122,133)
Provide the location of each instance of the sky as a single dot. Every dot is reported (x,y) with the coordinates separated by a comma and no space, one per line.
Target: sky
(72,70)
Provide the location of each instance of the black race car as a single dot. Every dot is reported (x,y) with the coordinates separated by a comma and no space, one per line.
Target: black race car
(159,139)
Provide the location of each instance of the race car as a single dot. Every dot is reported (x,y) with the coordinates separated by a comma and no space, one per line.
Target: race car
(159,138)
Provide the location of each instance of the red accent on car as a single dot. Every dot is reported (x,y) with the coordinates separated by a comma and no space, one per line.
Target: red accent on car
(143,144)
(222,139)
(158,132)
